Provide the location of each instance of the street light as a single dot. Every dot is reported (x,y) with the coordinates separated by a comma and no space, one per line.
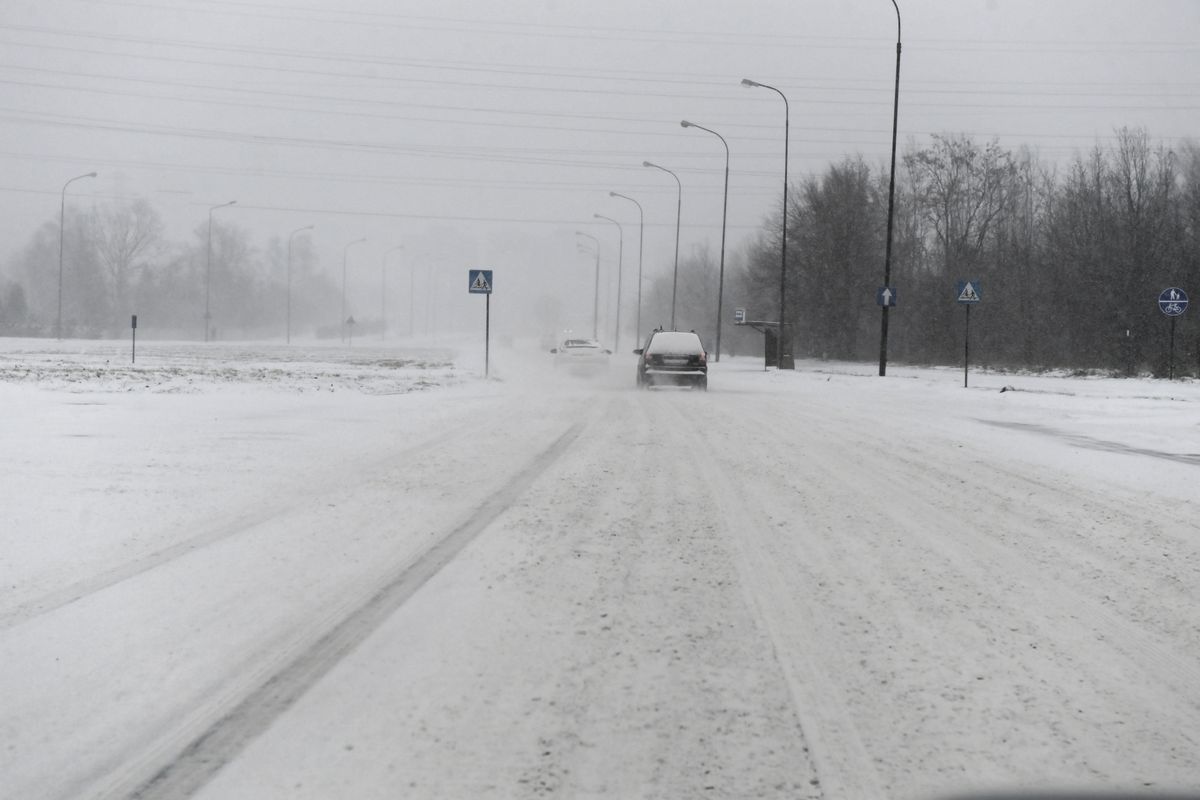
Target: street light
(345,250)
(724,216)
(383,292)
(208,270)
(783,244)
(641,236)
(288,337)
(620,265)
(62,220)
(678,210)
(596,294)
(887,257)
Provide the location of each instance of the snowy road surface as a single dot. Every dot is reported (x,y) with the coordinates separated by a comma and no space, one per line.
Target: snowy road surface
(261,573)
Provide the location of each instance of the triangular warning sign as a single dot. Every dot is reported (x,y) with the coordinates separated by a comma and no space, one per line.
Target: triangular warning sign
(480,284)
(968,293)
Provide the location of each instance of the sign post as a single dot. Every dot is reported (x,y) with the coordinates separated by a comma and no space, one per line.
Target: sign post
(1172,302)
(968,295)
(133,350)
(479,281)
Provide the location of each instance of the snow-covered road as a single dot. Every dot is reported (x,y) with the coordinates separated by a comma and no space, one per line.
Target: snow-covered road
(252,573)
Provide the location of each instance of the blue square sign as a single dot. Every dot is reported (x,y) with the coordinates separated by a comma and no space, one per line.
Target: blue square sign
(479,281)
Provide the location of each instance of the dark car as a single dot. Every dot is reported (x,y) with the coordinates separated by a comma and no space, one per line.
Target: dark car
(675,358)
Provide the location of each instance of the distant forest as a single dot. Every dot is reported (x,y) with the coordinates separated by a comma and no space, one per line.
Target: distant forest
(1070,260)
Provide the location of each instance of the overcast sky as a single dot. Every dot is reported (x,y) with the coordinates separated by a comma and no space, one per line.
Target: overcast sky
(479,133)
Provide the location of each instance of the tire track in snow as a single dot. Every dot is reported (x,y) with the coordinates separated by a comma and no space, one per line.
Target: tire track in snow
(840,759)
(998,564)
(230,525)
(225,726)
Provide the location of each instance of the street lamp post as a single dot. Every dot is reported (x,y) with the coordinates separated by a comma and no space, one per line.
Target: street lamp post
(62,224)
(724,217)
(641,237)
(288,336)
(208,270)
(678,212)
(412,295)
(887,257)
(596,294)
(620,267)
(383,292)
(345,250)
(783,243)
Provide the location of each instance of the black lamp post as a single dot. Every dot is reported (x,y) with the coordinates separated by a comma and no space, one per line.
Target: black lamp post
(62,223)
(724,216)
(383,292)
(346,250)
(620,265)
(783,243)
(887,258)
(288,336)
(678,212)
(641,238)
(596,293)
(208,270)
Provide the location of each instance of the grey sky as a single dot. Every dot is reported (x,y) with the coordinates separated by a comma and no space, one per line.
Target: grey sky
(477,133)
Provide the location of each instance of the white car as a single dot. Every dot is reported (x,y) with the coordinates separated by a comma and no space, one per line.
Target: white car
(581,356)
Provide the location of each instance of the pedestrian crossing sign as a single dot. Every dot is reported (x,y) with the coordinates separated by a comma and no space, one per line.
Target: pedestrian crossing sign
(968,291)
(479,281)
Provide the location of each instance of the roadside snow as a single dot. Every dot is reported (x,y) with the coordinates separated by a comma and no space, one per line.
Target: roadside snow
(809,584)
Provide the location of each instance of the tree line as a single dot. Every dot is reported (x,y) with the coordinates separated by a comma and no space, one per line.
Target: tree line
(1071,260)
(116,262)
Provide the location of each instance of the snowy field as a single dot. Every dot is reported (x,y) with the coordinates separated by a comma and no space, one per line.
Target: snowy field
(260,571)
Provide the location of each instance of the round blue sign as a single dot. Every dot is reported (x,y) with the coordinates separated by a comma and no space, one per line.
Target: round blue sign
(1173,302)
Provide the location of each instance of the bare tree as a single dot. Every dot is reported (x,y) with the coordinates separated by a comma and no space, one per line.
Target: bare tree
(127,237)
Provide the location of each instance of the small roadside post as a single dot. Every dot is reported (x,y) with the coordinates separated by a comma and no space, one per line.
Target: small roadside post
(479,281)
(968,295)
(133,349)
(1172,302)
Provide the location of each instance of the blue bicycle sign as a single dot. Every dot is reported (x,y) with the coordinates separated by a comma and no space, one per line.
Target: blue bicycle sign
(1173,301)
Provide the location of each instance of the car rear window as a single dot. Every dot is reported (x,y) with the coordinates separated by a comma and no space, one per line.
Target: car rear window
(675,342)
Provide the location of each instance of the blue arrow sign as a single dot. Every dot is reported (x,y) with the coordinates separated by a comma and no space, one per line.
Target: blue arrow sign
(885,296)
(479,281)
(1173,301)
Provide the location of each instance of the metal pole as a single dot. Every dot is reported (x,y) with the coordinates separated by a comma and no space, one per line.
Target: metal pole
(641,238)
(487,335)
(208,269)
(678,214)
(967,347)
(383,292)
(596,299)
(346,250)
(62,222)
(1171,362)
(783,242)
(887,258)
(620,267)
(288,336)
(596,293)
(724,217)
